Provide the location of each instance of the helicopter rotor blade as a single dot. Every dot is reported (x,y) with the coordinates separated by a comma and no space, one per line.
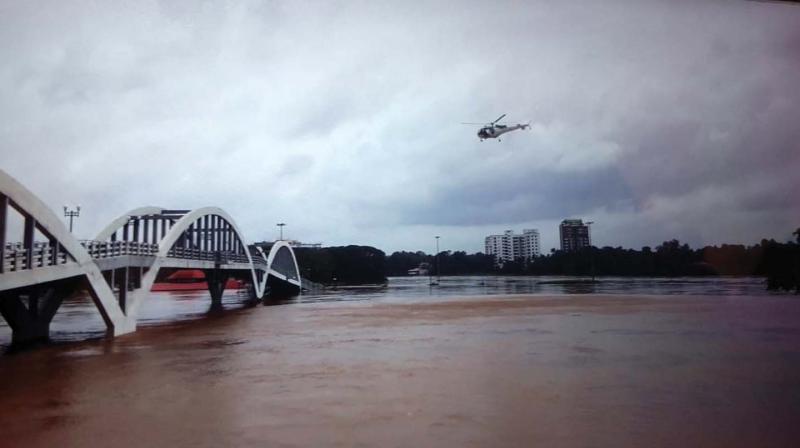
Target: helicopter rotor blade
(499,118)
(479,124)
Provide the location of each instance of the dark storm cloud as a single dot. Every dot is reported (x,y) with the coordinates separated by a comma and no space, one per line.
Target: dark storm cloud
(522,196)
(734,132)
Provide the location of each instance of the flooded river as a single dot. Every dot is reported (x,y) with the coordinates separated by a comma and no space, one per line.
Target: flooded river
(78,319)
(476,361)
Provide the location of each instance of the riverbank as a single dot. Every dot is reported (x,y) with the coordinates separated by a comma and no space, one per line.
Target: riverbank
(589,370)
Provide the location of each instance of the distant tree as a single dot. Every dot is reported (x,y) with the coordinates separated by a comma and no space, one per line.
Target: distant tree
(450,263)
(343,265)
(780,263)
(400,262)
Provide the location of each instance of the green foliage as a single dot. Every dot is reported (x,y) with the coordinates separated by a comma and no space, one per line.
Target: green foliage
(348,265)
(670,259)
(461,263)
(400,262)
(449,263)
(781,265)
(778,262)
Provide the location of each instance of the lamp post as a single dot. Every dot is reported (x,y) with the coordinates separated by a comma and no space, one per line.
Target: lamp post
(591,248)
(438,274)
(280,225)
(71,214)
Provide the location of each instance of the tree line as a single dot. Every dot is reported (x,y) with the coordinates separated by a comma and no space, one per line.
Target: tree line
(343,265)
(778,262)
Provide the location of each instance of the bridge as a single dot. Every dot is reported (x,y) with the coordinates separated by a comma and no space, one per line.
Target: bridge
(45,263)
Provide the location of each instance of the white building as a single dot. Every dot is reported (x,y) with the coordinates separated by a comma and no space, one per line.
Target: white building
(530,243)
(510,246)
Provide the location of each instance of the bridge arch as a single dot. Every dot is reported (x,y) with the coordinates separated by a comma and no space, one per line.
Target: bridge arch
(128,255)
(262,276)
(76,261)
(282,259)
(123,219)
(192,229)
(282,265)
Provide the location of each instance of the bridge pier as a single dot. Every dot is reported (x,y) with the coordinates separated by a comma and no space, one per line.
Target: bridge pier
(216,280)
(281,289)
(29,312)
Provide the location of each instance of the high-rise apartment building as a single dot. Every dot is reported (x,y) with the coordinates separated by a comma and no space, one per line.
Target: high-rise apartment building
(510,246)
(574,235)
(530,243)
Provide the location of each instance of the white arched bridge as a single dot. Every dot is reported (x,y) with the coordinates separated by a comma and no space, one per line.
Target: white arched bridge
(45,263)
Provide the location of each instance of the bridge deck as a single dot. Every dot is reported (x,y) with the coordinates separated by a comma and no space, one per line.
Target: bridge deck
(44,267)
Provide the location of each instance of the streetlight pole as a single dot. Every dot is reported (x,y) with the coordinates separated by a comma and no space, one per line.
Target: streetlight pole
(591,248)
(71,214)
(438,274)
(280,225)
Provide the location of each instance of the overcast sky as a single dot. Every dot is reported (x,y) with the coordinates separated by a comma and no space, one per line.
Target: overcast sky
(656,120)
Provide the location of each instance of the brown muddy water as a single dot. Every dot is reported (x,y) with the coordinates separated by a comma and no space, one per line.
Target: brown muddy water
(491,371)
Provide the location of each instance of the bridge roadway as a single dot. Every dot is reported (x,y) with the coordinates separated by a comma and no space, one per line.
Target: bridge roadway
(118,268)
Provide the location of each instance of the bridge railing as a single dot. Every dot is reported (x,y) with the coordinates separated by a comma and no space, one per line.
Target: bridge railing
(108,249)
(15,256)
(199,254)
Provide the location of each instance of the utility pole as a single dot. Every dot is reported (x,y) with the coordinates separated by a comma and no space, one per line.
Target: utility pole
(281,224)
(438,274)
(591,248)
(71,214)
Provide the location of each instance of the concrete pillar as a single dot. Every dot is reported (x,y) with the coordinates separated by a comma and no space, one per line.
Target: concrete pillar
(215,233)
(210,234)
(30,225)
(135,236)
(3,218)
(216,279)
(31,322)
(206,246)
(188,236)
(145,230)
(123,289)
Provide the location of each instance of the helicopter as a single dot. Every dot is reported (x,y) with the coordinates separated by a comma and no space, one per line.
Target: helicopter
(494,130)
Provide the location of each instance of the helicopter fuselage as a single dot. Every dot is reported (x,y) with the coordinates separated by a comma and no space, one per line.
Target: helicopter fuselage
(498,130)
